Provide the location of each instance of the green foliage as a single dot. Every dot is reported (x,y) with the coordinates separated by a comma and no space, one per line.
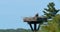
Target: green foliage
(54,24)
(51,11)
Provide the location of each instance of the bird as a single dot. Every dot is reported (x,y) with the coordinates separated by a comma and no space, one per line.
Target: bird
(37,15)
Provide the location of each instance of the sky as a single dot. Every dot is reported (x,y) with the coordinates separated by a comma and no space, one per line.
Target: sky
(12,12)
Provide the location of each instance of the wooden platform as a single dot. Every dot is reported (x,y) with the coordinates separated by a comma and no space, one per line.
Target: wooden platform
(34,19)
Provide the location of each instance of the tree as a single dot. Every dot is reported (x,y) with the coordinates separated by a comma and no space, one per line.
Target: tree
(51,11)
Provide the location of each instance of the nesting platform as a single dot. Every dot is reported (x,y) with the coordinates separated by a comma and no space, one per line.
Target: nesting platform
(35,19)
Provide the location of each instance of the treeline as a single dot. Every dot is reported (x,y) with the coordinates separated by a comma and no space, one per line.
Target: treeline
(15,30)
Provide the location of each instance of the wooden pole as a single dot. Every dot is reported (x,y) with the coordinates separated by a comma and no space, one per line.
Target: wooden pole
(34,27)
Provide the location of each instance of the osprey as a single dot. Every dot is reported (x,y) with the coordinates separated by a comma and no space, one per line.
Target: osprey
(37,15)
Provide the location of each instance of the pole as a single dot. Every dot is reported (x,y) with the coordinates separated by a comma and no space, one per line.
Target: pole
(34,27)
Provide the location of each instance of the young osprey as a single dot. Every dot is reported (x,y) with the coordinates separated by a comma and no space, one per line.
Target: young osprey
(37,15)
